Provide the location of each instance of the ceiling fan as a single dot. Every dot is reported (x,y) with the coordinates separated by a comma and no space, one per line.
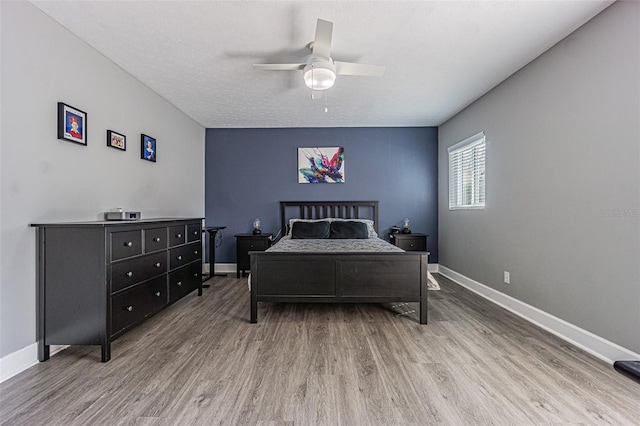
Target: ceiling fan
(320,70)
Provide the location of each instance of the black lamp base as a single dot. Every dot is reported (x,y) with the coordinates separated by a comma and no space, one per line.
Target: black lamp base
(257,232)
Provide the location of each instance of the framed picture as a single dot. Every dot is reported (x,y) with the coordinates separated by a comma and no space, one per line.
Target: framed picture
(148,148)
(321,165)
(116,140)
(72,124)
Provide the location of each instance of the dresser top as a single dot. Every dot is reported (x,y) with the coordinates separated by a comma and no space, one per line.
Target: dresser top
(107,223)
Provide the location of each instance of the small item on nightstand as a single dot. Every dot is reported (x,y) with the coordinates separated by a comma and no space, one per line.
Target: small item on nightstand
(256,227)
(405,228)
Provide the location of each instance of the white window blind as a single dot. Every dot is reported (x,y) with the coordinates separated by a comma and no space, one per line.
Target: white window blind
(467,173)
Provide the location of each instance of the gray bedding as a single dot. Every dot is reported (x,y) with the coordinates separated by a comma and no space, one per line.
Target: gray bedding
(327,245)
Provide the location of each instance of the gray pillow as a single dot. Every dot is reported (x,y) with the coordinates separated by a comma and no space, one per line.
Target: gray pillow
(349,230)
(310,230)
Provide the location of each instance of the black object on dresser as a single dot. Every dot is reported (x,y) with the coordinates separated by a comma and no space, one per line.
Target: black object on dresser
(246,243)
(409,242)
(97,280)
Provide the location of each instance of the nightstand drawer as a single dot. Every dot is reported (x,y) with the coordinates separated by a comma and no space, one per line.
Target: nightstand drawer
(251,244)
(409,242)
(413,244)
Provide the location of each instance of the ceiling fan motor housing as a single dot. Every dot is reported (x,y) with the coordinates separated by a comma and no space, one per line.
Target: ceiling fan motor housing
(319,74)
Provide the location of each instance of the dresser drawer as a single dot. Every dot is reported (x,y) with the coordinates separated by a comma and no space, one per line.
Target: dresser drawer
(155,239)
(132,306)
(176,235)
(126,244)
(194,232)
(184,280)
(180,256)
(129,272)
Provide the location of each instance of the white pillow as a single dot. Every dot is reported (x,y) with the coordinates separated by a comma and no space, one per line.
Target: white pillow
(370,230)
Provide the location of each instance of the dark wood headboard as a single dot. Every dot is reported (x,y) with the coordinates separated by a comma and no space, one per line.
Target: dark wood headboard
(328,209)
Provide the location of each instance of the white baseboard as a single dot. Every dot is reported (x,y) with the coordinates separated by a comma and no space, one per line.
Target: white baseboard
(595,345)
(18,361)
(221,268)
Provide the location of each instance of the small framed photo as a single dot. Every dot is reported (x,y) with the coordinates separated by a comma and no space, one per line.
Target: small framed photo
(116,140)
(72,124)
(148,145)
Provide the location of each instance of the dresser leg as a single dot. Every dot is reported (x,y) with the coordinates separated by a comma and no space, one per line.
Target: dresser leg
(43,352)
(106,352)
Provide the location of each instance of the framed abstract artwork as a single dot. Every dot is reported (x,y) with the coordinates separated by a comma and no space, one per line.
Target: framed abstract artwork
(321,165)
(72,124)
(148,148)
(116,140)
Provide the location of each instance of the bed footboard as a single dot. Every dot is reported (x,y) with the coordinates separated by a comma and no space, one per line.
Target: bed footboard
(339,278)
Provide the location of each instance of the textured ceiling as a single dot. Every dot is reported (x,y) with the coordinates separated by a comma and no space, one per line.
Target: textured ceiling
(440,55)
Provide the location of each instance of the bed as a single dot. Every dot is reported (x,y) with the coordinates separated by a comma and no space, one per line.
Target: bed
(338,274)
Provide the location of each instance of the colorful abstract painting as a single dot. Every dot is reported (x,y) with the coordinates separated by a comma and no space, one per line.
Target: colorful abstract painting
(321,165)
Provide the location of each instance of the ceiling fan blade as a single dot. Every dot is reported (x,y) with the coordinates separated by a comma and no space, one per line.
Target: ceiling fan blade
(279,67)
(322,42)
(351,68)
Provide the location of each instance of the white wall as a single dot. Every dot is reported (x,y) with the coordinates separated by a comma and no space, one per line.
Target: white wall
(563,181)
(46,179)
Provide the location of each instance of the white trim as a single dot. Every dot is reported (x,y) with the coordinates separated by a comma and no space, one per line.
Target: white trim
(595,345)
(18,361)
(226,268)
(471,141)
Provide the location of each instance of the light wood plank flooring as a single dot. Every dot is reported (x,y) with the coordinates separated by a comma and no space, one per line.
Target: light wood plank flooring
(201,362)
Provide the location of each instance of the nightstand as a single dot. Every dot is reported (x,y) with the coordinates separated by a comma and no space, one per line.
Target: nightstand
(246,243)
(409,242)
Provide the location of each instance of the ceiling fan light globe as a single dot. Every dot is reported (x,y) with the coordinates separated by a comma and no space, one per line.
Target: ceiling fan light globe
(319,78)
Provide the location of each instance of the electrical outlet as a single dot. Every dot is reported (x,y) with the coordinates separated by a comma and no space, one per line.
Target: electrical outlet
(507,277)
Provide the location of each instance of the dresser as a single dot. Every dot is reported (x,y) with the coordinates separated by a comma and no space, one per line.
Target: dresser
(246,243)
(97,280)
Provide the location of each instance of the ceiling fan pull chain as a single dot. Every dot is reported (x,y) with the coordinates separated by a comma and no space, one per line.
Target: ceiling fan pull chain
(326,97)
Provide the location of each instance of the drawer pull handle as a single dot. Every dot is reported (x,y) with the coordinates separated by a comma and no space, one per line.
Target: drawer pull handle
(129,308)
(195,232)
(178,235)
(195,275)
(128,244)
(158,293)
(156,239)
(179,283)
(157,265)
(411,245)
(195,252)
(179,258)
(129,274)
(251,245)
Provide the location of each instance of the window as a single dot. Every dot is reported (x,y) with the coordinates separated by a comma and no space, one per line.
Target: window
(466,173)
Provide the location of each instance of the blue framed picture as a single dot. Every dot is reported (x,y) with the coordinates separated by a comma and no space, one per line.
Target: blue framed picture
(148,148)
(72,124)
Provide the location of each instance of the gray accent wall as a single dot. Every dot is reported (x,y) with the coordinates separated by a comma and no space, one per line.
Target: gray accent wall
(46,179)
(249,171)
(563,181)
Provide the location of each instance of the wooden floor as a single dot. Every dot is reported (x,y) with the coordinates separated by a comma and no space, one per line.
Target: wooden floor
(201,362)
